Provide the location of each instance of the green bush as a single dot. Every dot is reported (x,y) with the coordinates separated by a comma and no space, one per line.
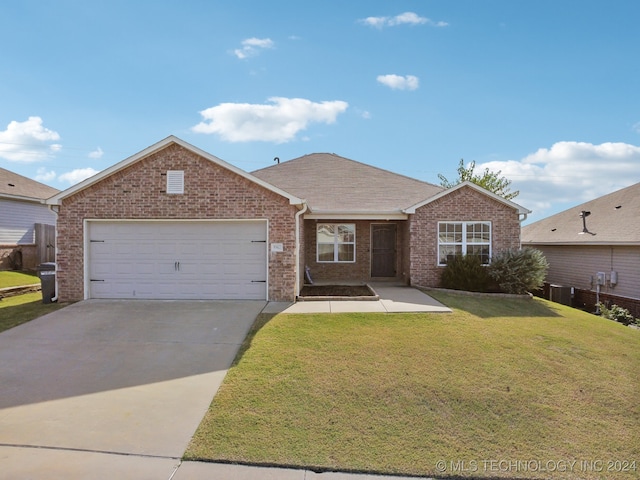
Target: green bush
(616,313)
(518,270)
(465,272)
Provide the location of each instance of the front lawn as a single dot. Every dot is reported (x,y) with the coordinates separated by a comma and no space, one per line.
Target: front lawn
(500,388)
(23,308)
(10,278)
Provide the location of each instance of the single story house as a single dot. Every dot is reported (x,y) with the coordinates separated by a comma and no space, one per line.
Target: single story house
(594,250)
(175,222)
(27,225)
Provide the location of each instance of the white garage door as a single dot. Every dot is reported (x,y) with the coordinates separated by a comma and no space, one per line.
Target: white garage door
(177,260)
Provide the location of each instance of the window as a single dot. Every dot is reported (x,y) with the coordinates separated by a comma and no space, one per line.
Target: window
(336,242)
(464,238)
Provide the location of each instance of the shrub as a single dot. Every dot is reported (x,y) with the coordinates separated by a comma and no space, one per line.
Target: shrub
(518,270)
(616,313)
(465,272)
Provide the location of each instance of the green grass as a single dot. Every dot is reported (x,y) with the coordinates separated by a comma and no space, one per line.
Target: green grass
(16,279)
(505,379)
(23,308)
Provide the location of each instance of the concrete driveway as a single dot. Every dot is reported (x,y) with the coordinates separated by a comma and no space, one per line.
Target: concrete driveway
(103,387)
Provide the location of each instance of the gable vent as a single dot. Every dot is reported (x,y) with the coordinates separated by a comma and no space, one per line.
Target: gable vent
(175,182)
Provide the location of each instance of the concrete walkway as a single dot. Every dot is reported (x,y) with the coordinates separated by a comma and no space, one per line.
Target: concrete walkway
(393,299)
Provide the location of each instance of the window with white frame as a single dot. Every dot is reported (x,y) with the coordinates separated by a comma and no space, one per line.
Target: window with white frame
(464,238)
(336,242)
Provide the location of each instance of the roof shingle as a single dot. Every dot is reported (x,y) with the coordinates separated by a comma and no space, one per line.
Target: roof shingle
(614,219)
(12,184)
(334,184)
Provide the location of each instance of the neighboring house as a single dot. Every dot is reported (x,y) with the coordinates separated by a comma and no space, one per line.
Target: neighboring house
(174,221)
(594,248)
(26,224)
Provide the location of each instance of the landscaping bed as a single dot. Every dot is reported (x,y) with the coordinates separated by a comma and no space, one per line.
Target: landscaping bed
(337,292)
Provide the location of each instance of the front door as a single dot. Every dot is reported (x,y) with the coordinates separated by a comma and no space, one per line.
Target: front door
(383,250)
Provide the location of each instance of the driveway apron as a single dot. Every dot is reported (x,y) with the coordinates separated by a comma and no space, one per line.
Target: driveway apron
(123,377)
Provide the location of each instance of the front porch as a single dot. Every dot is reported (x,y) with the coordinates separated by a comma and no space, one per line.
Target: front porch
(356,251)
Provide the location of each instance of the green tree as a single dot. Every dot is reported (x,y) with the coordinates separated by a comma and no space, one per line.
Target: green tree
(492,181)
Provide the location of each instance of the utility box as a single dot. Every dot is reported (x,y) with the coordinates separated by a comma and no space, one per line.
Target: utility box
(47,274)
(560,294)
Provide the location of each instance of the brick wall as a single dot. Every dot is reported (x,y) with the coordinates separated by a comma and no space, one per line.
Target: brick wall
(465,204)
(586,300)
(211,192)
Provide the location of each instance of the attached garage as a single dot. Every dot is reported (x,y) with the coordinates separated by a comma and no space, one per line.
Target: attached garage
(208,260)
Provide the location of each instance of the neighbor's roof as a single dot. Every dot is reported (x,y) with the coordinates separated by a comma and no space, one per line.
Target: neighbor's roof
(156,147)
(18,187)
(614,220)
(338,185)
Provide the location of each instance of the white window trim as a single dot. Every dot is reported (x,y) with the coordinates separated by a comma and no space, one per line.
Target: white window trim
(336,244)
(464,238)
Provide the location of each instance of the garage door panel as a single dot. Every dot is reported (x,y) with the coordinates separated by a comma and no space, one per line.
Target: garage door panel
(173,260)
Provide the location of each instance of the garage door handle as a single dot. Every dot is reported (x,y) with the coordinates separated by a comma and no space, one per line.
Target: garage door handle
(258,241)
(94,280)
(258,281)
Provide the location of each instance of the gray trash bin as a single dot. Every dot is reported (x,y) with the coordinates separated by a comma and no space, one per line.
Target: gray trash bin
(47,274)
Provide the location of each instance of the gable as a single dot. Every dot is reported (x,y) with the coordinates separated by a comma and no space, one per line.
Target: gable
(140,189)
(480,193)
(165,144)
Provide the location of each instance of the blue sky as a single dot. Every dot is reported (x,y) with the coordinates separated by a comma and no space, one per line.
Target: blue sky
(545,91)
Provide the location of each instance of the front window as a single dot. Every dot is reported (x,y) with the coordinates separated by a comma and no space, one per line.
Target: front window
(464,238)
(336,242)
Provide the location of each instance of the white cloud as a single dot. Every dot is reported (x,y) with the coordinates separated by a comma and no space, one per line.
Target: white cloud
(252,47)
(568,174)
(28,141)
(42,175)
(77,175)
(97,153)
(406,18)
(636,127)
(398,82)
(279,121)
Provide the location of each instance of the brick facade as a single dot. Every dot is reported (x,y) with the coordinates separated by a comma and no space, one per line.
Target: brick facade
(211,192)
(417,242)
(464,204)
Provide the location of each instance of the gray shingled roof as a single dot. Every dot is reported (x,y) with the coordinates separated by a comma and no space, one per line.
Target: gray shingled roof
(614,219)
(334,184)
(14,185)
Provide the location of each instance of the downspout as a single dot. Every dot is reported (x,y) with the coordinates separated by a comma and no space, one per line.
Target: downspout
(524,217)
(297,270)
(55,212)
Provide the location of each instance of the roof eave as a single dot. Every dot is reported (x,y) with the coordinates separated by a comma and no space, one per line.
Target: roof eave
(350,215)
(567,243)
(22,198)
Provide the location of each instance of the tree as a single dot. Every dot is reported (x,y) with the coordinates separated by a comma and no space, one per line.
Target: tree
(488,180)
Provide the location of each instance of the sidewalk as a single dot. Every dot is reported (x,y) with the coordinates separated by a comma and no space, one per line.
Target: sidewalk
(206,471)
(393,299)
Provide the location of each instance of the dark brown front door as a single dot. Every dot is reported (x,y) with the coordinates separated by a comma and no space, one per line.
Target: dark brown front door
(383,250)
